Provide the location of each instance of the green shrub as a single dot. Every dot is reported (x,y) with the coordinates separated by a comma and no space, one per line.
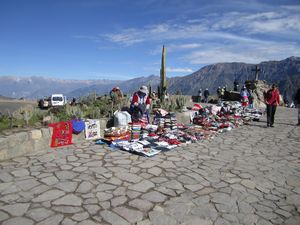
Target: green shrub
(5,122)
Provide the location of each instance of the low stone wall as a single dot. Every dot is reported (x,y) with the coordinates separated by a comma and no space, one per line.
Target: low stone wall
(24,142)
(34,141)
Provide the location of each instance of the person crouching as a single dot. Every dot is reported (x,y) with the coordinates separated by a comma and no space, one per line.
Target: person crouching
(140,104)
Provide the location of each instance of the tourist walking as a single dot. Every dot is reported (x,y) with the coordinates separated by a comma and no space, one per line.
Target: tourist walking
(272,101)
(297,101)
(206,95)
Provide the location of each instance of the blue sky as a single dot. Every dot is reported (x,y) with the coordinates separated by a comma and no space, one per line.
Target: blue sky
(118,39)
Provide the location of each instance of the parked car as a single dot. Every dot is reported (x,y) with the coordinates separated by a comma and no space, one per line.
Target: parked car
(58,100)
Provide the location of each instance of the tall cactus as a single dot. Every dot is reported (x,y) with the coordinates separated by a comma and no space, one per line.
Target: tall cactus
(163,78)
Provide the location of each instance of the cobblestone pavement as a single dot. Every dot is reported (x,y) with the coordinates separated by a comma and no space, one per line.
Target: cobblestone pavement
(248,176)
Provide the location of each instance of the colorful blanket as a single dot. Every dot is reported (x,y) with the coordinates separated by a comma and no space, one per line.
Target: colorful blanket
(62,134)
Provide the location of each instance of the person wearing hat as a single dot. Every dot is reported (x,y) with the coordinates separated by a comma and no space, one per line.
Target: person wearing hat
(116,94)
(272,100)
(140,104)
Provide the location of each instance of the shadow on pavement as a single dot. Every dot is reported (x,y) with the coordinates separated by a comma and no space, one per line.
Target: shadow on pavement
(263,125)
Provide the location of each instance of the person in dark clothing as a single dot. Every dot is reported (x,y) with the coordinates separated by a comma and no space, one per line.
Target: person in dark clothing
(297,101)
(272,100)
(206,95)
(251,100)
(219,91)
(73,103)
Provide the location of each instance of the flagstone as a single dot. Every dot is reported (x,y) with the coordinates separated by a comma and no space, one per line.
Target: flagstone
(49,195)
(39,214)
(132,216)
(17,209)
(18,220)
(143,186)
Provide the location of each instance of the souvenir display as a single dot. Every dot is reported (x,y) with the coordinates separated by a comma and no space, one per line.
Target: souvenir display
(62,134)
(166,133)
(92,129)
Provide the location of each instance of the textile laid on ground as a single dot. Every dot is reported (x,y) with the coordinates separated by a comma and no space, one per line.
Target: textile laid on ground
(62,134)
(92,129)
(166,134)
(117,133)
(77,126)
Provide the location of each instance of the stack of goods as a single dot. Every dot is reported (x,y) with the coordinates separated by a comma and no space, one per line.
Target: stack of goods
(136,129)
(117,133)
(166,134)
(159,120)
(170,121)
(220,119)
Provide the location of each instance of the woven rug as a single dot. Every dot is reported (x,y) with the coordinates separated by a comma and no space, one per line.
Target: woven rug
(62,134)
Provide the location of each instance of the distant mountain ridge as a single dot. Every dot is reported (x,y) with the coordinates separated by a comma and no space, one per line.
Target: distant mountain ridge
(286,73)
(36,87)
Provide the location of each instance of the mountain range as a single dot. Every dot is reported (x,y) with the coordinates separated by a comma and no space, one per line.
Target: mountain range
(285,73)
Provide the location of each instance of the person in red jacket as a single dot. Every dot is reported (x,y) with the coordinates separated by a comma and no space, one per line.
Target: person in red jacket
(140,104)
(272,100)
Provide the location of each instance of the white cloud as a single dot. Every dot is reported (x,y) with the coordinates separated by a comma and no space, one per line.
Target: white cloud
(158,28)
(230,26)
(291,7)
(175,48)
(232,36)
(158,32)
(188,46)
(127,37)
(252,53)
(179,70)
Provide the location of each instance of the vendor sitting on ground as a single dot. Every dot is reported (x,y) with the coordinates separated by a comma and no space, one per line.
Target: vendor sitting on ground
(140,104)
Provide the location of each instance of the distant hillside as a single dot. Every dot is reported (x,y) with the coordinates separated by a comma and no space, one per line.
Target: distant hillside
(5,98)
(128,86)
(37,87)
(286,73)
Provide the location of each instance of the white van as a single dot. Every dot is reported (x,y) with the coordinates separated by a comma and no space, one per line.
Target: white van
(58,100)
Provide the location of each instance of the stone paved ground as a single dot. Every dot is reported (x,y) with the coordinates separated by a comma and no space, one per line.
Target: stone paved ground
(248,176)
